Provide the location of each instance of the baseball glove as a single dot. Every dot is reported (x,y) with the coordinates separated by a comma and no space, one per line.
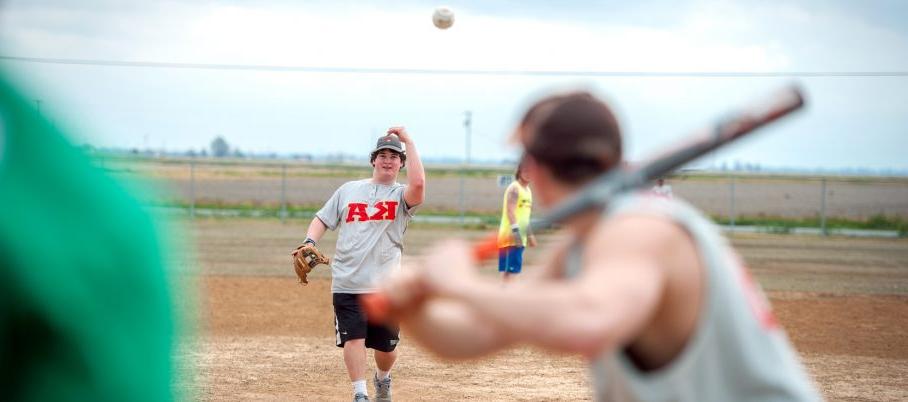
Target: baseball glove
(305,258)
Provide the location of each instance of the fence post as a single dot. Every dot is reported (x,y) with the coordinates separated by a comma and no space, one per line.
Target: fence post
(462,208)
(823,207)
(283,192)
(192,189)
(731,192)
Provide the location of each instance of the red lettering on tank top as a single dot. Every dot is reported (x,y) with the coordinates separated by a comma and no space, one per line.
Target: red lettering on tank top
(757,300)
(357,211)
(386,210)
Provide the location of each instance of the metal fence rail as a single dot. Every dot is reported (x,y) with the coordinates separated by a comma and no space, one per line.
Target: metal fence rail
(732,199)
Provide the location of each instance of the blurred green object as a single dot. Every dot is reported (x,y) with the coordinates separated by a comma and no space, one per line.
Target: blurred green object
(86,312)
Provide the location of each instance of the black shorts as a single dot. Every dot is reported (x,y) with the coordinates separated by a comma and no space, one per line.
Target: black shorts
(350,323)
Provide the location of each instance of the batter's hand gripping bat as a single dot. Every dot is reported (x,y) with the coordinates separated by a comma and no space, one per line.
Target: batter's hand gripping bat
(597,193)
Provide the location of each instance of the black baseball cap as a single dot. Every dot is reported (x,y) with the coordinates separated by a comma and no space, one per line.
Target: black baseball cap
(391,142)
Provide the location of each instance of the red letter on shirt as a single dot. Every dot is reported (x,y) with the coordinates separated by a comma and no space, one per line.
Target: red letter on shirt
(386,210)
(357,210)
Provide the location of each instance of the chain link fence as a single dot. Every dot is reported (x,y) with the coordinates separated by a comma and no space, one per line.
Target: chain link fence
(297,189)
(824,202)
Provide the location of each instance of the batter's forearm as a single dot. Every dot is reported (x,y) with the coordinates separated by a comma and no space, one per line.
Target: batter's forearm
(451,330)
(551,315)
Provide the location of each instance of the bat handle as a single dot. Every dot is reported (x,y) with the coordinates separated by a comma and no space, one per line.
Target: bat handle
(486,249)
(378,306)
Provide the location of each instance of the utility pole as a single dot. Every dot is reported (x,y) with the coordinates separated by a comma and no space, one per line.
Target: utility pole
(466,126)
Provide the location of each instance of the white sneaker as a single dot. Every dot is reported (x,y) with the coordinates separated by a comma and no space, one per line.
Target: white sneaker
(360,398)
(382,389)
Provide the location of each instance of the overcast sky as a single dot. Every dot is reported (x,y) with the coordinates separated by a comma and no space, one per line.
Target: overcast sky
(849,122)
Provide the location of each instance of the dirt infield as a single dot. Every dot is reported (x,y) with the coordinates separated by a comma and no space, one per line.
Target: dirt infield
(263,337)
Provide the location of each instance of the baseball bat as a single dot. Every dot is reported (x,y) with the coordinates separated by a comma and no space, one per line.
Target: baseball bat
(597,193)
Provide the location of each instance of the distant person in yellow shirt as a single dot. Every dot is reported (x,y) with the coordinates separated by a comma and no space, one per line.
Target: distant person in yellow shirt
(662,190)
(514,231)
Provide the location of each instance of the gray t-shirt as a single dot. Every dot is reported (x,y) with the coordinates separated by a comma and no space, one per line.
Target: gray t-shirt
(371,220)
(738,351)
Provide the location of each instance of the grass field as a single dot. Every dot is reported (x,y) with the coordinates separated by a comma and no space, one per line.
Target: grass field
(263,337)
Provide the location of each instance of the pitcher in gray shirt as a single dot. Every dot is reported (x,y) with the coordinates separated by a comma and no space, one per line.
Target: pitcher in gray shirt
(371,216)
(648,291)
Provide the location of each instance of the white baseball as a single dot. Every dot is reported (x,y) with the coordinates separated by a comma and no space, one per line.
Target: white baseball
(443,17)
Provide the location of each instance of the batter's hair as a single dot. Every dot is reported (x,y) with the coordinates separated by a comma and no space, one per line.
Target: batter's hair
(575,135)
(519,169)
(403,157)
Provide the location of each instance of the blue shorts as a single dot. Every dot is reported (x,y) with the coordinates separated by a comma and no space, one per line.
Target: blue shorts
(510,259)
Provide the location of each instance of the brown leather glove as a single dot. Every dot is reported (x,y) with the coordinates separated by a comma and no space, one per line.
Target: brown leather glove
(305,258)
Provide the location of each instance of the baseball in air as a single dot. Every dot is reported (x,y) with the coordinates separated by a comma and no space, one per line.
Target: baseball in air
(443,17)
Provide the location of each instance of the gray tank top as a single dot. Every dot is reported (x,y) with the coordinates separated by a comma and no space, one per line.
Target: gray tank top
(738,351)
(371,220)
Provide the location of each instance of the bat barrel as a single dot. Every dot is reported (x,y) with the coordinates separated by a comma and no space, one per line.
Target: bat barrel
(729,129)
(378,306)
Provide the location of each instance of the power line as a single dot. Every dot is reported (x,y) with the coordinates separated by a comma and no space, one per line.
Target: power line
(480,72)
